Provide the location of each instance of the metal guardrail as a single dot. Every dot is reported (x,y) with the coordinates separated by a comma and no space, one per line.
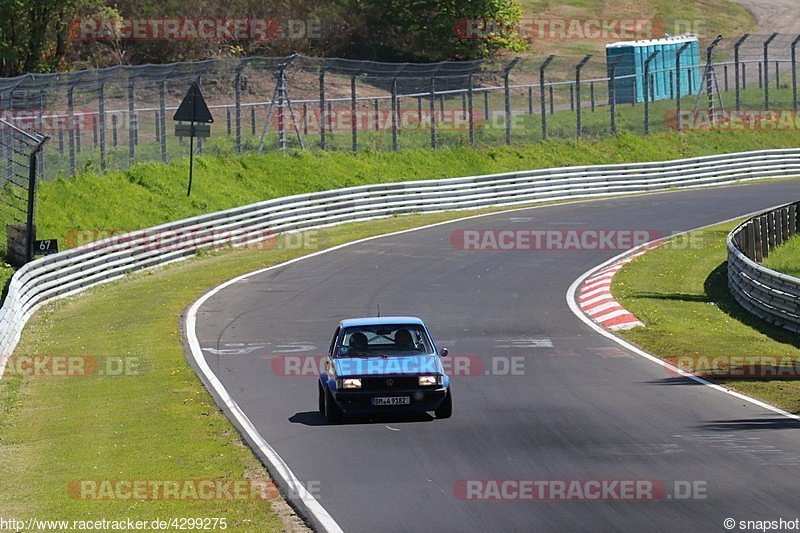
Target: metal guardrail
(73,270)
(770,295)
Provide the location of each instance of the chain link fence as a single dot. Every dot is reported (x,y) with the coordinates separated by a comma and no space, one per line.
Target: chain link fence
(111,118)
(22,163)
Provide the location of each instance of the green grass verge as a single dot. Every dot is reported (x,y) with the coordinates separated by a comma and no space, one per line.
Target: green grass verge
(786,258)
(78,209)
(158,425)
(680,292)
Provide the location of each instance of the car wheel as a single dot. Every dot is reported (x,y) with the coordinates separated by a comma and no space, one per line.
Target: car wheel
(320,398)
(446,409)
(332,412)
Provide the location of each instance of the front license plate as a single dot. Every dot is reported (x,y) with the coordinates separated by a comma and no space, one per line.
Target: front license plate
(392,400)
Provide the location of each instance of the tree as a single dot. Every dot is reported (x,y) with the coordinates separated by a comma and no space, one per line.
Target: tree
(33,33)
(437,29)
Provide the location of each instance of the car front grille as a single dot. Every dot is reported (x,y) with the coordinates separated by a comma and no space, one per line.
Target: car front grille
(389,383)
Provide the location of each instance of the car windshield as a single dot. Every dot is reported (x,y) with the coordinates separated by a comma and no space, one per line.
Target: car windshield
(385,341)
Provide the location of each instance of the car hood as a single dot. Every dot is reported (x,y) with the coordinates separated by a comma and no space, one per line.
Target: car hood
(378,366)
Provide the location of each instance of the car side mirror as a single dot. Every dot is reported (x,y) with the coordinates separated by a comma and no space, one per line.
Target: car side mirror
(444,352)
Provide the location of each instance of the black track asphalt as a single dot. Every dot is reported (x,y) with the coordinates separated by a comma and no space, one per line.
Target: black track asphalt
(582,408)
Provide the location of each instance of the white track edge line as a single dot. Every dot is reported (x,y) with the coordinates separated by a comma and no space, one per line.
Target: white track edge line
(576,310)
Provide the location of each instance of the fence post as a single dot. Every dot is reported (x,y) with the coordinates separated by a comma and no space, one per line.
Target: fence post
(709,81)
(113,130)
(252,120)
(227,121)
(471,110)
(552,105)
(507,94)
(323,145)
(578,68)
(542,94)
(736,46)
(354,125)
(612,94)
(647,95)
(131,122)
(530,99)
(794,73)
(419,109)
(744,76)
(725,71)
(591,93)
(162,113)
(31,202)
(305,118)
(678,88)
(394,113)
(486,103)
(237,80)
(71,130)
(101,118)
(433,112)
(766,70)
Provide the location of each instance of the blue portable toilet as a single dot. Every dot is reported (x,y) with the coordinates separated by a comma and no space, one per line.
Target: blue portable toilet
(630,56)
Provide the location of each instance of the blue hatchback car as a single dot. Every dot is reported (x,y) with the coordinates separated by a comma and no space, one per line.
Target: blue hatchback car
(384,364)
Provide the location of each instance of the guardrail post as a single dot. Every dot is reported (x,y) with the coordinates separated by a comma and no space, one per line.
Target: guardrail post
(771,231)
(758,242)
(542,94)
(766,70)
(322,142)
(751,240)
(678,82)
(647,91)
(507,94)
(578,68)
(736,46)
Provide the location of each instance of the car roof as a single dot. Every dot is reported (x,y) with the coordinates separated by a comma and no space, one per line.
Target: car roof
(380,321)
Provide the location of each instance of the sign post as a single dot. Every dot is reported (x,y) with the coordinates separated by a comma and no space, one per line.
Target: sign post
(193,109)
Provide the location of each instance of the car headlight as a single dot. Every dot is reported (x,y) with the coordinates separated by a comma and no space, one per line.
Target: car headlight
(427,381)
(351,383)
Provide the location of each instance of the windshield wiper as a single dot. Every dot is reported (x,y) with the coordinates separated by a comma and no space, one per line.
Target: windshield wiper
(365,354)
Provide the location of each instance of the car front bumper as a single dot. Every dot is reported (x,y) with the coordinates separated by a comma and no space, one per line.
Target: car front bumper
(360,402)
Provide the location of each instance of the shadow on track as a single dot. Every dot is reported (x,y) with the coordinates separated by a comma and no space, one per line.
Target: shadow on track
(315,418)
